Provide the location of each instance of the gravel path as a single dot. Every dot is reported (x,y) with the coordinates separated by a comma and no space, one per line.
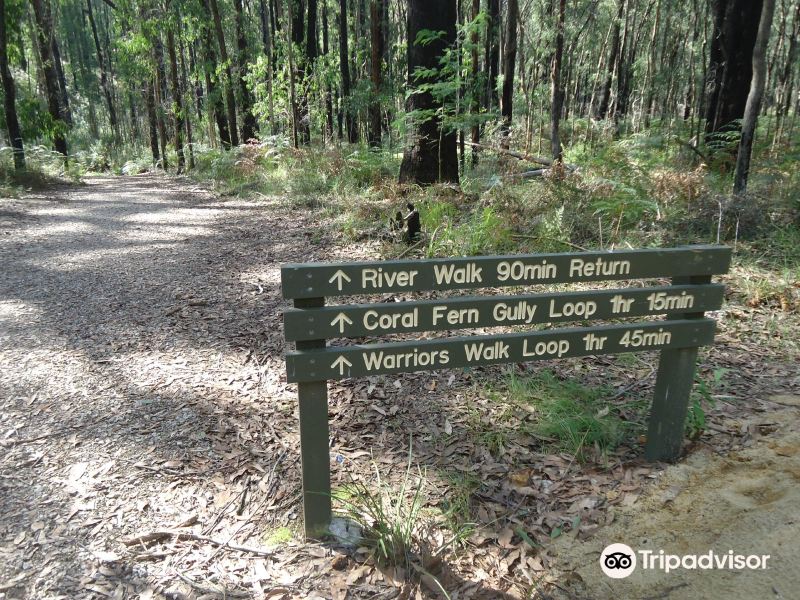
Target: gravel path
(140,343)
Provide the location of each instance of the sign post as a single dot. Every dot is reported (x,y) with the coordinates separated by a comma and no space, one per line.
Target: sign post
(314,434)
(677,338)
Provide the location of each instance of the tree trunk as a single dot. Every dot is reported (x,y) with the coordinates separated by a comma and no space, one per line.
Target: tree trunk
(753,98)
(492,53)
(215,103)
(731,63)
(101,63)
(44,33)
(230,101)
(605,94)
(328,99)
(9,95)
(475,104)
(557,92)
(267,41)
(150,101)
(177,101)
(309,62)
(249,125)
(188,113)
(292,36)
(158,87)
(376,23)
(509,61)
(431,154)
(66,111)
(344,66)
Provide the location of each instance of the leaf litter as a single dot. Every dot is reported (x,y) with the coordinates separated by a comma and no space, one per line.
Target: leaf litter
(150,440)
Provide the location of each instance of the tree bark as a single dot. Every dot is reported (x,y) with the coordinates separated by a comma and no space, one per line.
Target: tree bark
(475,104)
(158,88)
(9,96)
(150,101)
(556,90)
(344,67)
(230,100)
(753,98)
(249,125)
(376,23)
(101,63)
(492,53)
(431,155)
(328,95)
(177,101)
(731,63)
(215,103)
(605,94)
(44,33)
(509,62)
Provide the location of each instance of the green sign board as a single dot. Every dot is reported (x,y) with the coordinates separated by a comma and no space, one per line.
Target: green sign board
(473,351)
(310,323)
(361,320)
(346,279)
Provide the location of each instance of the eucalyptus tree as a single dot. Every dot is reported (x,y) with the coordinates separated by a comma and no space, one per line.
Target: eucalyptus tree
(10,95)
(430,155)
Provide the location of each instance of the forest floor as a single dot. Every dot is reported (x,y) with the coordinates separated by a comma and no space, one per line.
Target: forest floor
(149,444)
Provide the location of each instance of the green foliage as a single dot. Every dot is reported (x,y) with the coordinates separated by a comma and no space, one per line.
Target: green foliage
(574,417)
(701,401)
(389,519)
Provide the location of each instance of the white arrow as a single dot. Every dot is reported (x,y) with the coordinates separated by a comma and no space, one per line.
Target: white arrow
(341,362)
(338,276)
(340,319)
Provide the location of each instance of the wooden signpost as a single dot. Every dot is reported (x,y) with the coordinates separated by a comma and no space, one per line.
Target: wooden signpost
(310,323)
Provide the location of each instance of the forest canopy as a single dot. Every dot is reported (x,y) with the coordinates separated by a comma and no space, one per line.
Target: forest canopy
(438,80)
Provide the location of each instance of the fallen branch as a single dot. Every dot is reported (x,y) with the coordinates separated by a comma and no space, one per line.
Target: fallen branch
(166,534)
(690,147)
(529,174)
(519,155)
(214,590)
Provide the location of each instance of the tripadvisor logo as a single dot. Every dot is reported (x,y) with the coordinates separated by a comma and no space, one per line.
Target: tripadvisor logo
(620,560)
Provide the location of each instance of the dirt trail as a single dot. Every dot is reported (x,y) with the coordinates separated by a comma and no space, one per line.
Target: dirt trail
(139,323)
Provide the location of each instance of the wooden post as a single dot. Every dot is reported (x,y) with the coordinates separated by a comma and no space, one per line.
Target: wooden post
(672,392)
(314,440)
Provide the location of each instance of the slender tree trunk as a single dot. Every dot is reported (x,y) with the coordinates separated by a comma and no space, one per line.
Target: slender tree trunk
(43,35)
(509,62)
(266,39)
(150,101)
(9,96)
(188,113)
(753,98)
(492,53)
(475,105)
(328,99)
(431,155)
(344,66)
(307,71)
(376,23)
(230,101)
(556,91)
(292,71)
(158,59)
(177,100)
(605,95)
(66,111)
(215,103)
(249,125)
(101,63)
